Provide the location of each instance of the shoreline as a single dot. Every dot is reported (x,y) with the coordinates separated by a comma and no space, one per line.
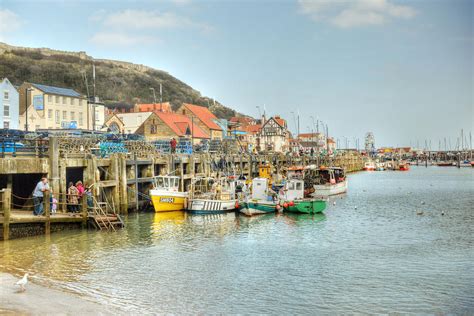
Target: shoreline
(40,300)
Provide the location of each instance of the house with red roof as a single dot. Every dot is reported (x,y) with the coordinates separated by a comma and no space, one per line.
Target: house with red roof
(204,118)
(156,125)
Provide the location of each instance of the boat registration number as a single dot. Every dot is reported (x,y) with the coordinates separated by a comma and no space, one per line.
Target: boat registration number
(166,200)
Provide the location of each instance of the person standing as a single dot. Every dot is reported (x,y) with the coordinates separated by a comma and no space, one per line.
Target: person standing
(38,194)
(173,145)
(72,198)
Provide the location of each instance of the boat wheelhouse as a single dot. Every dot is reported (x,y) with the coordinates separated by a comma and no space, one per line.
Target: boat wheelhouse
(293,199)
(262,199)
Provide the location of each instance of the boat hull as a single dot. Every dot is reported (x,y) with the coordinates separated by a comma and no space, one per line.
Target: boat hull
(256,208)
(203,206)
(330,189)
(307,207)
(167,201)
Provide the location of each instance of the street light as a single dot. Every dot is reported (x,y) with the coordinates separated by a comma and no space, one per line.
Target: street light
(26,107)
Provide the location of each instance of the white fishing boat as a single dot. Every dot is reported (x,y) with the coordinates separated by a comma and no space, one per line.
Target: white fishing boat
(369,165)
(208,196)
(331,181)
(165,194)
(379,166)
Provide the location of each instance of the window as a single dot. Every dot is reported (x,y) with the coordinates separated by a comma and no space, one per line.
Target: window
(50,114)
(152,129)
(50,99)
(80,118)
(66,100)
(71,101)
(57,116)
(73,116)
(61,100)
(64,115)
(6,110)
(6,124)
(56,98)
(5,95)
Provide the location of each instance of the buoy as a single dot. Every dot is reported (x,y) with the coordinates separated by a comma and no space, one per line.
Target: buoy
(355,207)
(442,213)
(285,205)
(278,207)
(292,203)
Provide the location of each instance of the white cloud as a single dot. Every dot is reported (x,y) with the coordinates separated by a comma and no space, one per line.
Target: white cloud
(9,22)
(116,39)
(138,27)
(140,19)
(354,13)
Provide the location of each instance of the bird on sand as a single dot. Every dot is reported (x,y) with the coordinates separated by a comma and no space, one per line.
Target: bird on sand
(22,283)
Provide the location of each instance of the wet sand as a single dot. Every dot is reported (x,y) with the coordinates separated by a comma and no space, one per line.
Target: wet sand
(40,300)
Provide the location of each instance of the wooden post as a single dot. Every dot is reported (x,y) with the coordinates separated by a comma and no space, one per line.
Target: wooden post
(6,213)
(84,211)
(47,212)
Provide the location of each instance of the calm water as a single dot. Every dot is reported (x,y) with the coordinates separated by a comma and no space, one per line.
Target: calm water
(370,252)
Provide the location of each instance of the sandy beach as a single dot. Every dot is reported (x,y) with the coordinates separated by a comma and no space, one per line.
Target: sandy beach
(40,300)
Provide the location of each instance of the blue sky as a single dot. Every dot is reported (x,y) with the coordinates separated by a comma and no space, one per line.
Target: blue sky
(401,69)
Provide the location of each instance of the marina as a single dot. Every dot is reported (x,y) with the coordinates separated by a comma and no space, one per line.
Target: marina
(353,258)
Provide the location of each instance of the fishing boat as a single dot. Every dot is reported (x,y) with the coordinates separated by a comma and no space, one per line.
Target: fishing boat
(330,181)
(466,163)
(293,198)
(369,166)
(403,166)
(209,196)
(379,166)
(165,194)
(262,199)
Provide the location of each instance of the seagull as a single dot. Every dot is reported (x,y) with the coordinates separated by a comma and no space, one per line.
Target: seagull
(334,203)
(422,202)
(355,207)
(419,212)
(23,282)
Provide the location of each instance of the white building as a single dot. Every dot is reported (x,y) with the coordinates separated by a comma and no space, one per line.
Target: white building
(9,105)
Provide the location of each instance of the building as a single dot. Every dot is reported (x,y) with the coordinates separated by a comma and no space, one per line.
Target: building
(178,125)
(52,108)
(9,105)
(204,118)
(155,125)
(153,107)
(273,135)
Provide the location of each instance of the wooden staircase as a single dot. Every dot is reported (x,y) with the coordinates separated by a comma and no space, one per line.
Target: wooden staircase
(103,217)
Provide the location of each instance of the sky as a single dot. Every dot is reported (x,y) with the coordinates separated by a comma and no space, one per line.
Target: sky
(400,69)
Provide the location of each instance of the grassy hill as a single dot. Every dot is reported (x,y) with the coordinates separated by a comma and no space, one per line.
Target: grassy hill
(116,81)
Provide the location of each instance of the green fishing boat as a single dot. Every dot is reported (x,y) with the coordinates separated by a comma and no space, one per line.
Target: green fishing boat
(293,200)
(307,206)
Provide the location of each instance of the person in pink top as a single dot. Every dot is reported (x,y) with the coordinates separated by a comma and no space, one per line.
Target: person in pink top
(80,188)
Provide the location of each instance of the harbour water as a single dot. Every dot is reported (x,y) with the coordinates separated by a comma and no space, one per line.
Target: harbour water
(396,242)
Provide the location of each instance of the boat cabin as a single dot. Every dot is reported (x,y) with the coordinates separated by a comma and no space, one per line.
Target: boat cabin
(168,183)
(293,190)
(260,189)
(295,172)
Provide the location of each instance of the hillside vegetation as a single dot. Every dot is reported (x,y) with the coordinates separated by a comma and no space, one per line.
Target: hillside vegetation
(116,82)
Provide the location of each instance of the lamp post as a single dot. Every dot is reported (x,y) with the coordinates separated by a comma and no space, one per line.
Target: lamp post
(26,107)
